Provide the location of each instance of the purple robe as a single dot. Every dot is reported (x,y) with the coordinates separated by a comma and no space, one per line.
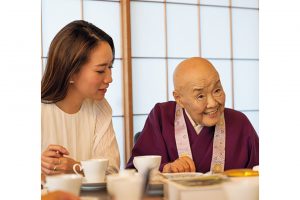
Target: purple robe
(158,138)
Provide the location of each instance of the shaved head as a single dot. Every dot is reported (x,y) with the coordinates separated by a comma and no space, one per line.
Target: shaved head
(190,69)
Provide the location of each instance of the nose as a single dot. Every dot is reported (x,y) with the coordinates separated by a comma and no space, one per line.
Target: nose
(108,78)
(211,102)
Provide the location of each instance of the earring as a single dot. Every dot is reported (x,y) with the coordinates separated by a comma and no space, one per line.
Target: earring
(71,82)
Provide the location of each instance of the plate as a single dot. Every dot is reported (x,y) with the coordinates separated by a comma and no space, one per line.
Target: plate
(181,176)
(241,173)
(92,186)
(204,180)
(155,189)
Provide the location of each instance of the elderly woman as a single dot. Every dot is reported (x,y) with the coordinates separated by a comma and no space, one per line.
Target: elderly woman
(196,132)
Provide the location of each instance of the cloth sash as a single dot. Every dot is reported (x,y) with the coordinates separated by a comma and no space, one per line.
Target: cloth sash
(183,143)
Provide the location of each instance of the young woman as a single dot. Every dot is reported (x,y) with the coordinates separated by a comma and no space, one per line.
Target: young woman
(76,118)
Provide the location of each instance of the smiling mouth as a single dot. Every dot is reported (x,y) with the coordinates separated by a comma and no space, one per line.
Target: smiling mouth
(212,112)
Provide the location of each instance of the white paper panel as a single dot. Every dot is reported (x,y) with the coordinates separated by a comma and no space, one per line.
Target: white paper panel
(224,69)
(215,2)
(172,64)
(149,84)
(245,33)
(184,1)
(138,123)
(246,85)
(245,3)
(118,123)
(151,0)
(253,116)
(215,32)
(106,16)
(147,29)
(114,92)
(55,15)
(183,35)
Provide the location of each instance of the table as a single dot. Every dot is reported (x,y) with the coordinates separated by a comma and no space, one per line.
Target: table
(102,194)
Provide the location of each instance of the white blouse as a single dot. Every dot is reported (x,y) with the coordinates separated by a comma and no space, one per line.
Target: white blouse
(196,126)
(87,134)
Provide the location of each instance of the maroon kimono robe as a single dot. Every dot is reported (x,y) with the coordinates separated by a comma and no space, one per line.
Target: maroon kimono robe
(158,138)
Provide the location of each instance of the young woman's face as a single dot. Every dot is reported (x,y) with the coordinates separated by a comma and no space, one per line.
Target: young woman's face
(94,77)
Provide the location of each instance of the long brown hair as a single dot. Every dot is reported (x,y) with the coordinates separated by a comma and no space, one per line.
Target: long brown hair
(69,50)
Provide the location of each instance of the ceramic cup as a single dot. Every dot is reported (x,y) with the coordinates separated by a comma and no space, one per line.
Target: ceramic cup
(111,179)
(94,170)
(144,163)
(128,187)
(127,172)
(65,182)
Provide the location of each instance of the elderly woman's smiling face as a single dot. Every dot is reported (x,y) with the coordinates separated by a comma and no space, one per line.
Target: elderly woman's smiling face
(199,91)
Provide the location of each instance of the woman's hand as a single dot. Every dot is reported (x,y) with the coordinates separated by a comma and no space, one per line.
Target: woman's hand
(182,164)
(66,165)
(54,161)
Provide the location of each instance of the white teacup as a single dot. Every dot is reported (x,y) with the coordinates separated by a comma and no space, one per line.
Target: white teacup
(144,163)
(94,170)
(245,188)
(128,187)
(65,182)
(111,179)
(127,172)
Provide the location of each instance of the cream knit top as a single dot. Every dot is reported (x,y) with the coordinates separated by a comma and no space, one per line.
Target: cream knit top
(86,134)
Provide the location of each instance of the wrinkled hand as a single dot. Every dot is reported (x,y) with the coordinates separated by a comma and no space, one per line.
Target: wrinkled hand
(60,195)
(54,161)
(182,164)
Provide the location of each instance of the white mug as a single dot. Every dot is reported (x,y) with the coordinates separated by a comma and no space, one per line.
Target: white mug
(144,163)
(128,187)
(94,170)
(112,178)
(127,172)
(65,182)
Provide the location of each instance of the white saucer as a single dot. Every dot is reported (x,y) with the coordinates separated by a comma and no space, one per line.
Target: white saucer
(180,176)
(92,185)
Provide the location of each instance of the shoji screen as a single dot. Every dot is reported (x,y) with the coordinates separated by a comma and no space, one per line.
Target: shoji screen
(166,32)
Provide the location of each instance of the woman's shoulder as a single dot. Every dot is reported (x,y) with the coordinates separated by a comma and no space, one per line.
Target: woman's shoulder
(237,119)
(47,107)
(235,115)
(101,107)
(163,110)
(165,106)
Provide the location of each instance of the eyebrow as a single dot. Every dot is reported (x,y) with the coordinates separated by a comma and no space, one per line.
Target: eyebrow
(217,82)
(200,89)
(104,64)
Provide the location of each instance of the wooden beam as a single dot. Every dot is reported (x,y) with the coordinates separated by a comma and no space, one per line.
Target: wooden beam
(127,77)
(166,50)
(231,53)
